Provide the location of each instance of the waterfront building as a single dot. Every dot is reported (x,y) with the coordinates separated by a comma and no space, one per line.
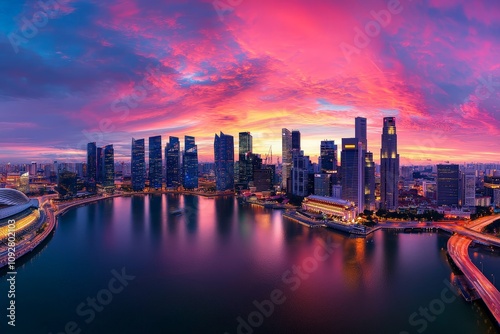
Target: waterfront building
(155,163)
(245,166)
(173,166)
(108,164)
(334,207)
(190,163)
(352,170)
(224,162)
(91,167)
(286,166)
(138,165)
(389,165)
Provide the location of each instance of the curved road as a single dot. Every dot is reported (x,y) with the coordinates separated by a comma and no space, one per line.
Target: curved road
(458,248)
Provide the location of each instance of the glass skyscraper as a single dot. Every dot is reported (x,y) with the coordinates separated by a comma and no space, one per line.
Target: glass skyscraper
(352,170)
(173,166)
(155,163)
(100,165)
(245,158)
(447,184)
(138,164)
(389,165)
(224,162)
(190,163)
(286,149)
(109,168)
(91,167)
(328,154)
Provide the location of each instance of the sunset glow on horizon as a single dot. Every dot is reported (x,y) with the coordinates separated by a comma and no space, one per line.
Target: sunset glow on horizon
(112,71)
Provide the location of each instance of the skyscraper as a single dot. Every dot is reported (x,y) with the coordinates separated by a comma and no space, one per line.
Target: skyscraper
(296,142)
(91,167)
(224,162)
(100,165)
(369,181)
(155,163)
(389,165)
(286,149)
(352,170)
(172,155)
(108,168)
(447,184)
(360,131)
(138,164)
(190,163)
(328,154)
(245,158)
(302,176)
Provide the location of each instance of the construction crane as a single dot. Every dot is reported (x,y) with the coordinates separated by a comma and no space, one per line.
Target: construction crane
(269,156)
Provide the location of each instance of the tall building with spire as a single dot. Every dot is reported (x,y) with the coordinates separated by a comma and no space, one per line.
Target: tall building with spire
(389,165)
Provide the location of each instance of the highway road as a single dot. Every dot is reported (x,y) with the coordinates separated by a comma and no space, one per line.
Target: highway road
(458,248)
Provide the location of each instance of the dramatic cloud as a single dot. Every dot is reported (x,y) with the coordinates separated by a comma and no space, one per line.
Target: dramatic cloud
(107,71)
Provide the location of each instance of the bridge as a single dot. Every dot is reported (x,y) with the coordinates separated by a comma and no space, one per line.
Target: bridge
(458,249)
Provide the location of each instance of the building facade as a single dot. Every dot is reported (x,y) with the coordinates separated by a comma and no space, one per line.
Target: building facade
(389,165)
(224,162)
(138,165)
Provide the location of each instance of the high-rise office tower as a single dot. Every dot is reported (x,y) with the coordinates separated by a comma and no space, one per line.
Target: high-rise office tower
(190,163)
(360,131)
(245,158)
(155,163)
(108,168)
(91,167)
(302,175)
(468,188)
(100,165)
(224,162)
(389,165)
(286,159)
(296,142)
(447,184)
(369,181)
(138,164)
(352,168)
(173,166)
(328,154)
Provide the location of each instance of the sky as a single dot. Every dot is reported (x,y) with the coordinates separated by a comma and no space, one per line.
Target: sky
(73,72)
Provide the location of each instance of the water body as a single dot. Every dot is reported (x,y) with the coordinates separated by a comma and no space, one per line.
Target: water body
(225,268)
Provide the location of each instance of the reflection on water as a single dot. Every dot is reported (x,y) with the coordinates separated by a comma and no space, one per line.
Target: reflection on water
(199,271)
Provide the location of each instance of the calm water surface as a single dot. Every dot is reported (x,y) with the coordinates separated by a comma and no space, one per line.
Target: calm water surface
(205,271)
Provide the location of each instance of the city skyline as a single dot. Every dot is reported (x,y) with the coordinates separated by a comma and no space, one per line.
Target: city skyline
(252,70)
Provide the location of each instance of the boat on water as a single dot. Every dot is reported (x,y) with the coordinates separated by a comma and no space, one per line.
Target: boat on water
(176,212)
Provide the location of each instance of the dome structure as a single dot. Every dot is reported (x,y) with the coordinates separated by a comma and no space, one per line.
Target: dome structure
(11,197)
(13,202)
